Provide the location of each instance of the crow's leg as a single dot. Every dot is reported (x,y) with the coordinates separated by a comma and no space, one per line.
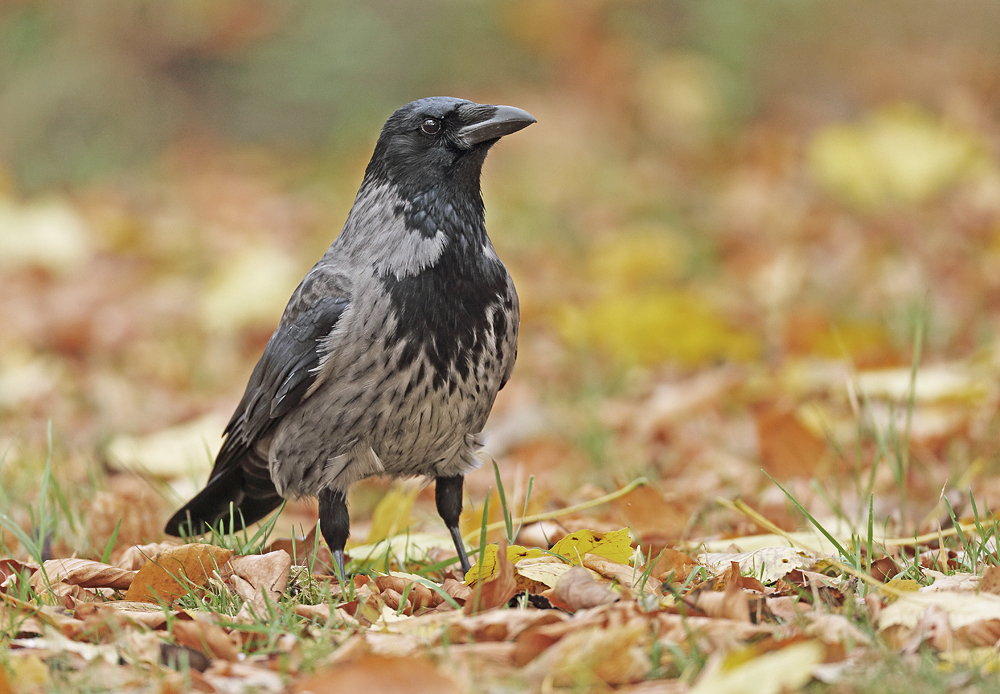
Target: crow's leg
(448,494)
(335,524)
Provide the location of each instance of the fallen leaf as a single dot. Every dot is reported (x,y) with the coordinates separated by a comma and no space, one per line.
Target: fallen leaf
(418,595)
(171,574)
(577,590)
(307,551)
(266,571)
(768,564)
(136,556)
(990,581)
(487,564)
(616,545)
(783,670)
(788,448)
(497,625)
(950,619)
(384,675)
(206,638)
(624,574)
(540,571)
(495,591)
(587,657)
(81,572)
(392,515)
(185,450)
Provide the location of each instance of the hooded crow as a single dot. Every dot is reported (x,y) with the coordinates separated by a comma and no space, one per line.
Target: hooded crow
(392,349)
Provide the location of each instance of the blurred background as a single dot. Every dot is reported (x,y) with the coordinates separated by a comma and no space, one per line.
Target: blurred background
(733,229)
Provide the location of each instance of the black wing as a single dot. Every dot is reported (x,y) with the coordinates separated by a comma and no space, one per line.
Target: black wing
(280,380)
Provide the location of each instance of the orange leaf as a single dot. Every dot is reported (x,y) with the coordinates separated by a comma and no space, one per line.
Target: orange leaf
(787,447)
(375,673)
(171,574)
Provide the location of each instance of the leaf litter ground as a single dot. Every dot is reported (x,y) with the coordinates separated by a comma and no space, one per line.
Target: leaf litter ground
(801,367)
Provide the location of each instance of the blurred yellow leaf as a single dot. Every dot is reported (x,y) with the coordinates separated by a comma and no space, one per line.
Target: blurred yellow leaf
(615,545)
(29,672)
(644,256)
(393,512)
(898,154)
(250,289)
(745,672)
(186,449)
(654,327)
(48,234)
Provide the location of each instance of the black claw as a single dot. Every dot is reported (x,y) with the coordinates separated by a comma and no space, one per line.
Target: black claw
(448,495)
(335,524)
(460,546)
(338,559)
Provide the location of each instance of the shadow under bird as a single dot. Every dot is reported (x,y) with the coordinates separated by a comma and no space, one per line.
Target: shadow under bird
(392,349)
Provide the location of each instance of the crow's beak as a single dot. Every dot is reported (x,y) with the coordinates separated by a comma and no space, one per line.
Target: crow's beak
(503,121)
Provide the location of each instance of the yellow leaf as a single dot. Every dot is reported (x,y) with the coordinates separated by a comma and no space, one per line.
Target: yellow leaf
(650,327)
(543,570)
(906,585)
(172,573)
(616,545)
(29,673)
(745,672)
(487,564)
(393,512)
(898,154)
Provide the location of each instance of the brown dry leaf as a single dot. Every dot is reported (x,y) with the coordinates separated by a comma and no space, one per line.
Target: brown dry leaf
(81,572)
(499,625)
(268,572)
(130,507)
(577,590)
(610,655)
(419,595)
(495,591)
(539,637)
(649,515)
(4,684)
(457,590)
(384,675)
(12,567)
(136,556)
(673,561)
(171,574)
(990,582)
(307,551)
(206,638)
(787,447)
(623,573)
(144,613)
(732,604)
(883,569)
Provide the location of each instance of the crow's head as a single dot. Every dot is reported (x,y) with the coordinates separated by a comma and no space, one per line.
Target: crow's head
(440,141)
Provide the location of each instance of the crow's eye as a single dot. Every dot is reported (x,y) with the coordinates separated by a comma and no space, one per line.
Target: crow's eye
(430,126)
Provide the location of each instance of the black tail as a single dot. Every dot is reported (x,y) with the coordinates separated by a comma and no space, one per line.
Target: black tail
(251,500)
